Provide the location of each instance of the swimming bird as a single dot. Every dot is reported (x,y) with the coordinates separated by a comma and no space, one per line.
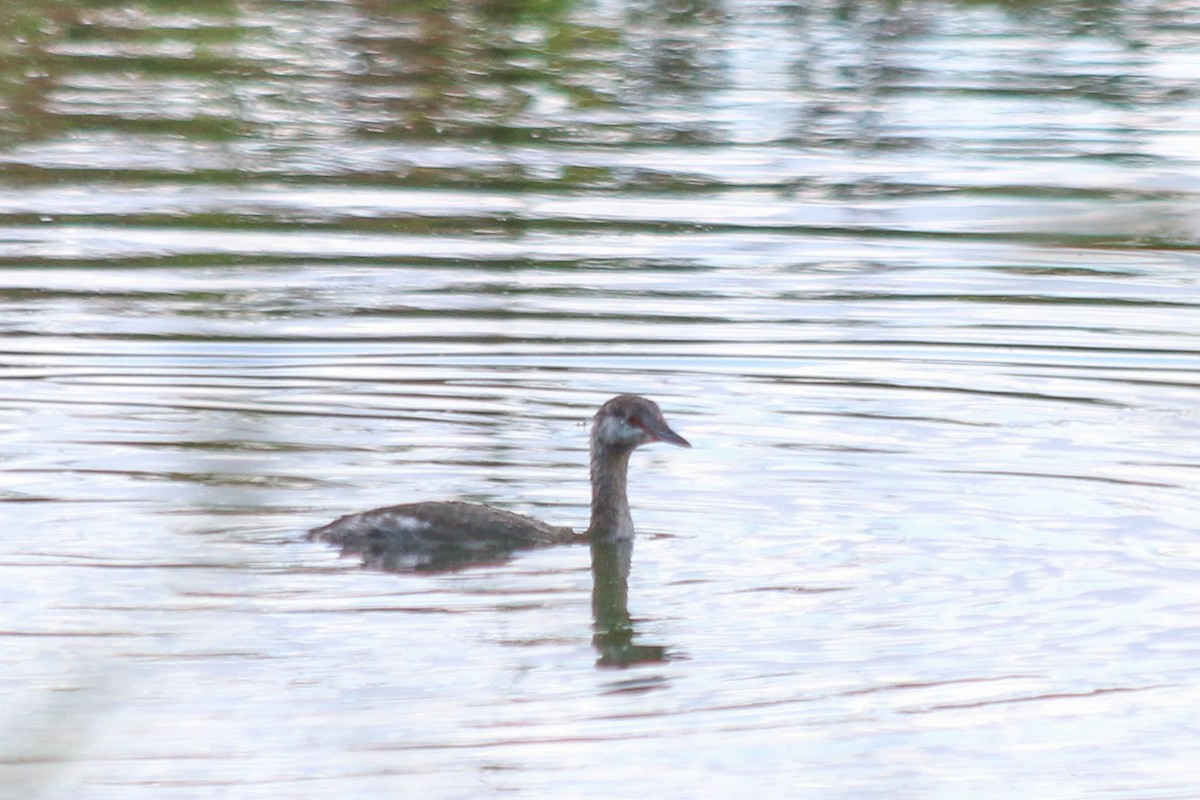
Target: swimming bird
(443,535)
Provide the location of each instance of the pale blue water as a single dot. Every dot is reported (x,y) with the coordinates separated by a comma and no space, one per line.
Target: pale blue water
(920,283)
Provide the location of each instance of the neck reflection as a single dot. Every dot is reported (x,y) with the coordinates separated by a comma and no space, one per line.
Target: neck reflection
(613,629)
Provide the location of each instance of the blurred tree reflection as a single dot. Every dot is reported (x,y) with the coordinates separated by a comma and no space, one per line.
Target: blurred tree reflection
(505,72)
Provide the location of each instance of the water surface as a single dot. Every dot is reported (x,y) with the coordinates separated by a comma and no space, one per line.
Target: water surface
(919,282)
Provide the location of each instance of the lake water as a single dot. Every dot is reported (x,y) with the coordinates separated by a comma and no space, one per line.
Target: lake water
(919,281)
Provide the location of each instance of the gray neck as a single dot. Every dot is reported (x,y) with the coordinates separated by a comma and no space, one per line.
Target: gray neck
(611,521)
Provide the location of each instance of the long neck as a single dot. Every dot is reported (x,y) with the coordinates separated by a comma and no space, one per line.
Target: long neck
(610,507)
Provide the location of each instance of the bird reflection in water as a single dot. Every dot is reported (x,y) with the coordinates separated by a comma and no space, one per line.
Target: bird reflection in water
(613,629)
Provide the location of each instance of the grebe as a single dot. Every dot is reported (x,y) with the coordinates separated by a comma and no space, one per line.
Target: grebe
(442,535)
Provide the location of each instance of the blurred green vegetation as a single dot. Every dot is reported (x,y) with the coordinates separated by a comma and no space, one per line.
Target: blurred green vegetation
(494,72)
